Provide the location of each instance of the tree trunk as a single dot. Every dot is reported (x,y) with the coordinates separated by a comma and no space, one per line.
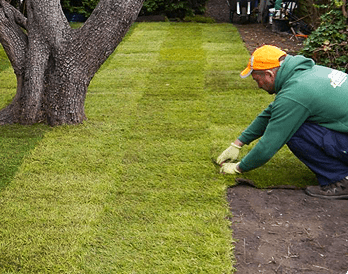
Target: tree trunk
(344,10)
(53,63)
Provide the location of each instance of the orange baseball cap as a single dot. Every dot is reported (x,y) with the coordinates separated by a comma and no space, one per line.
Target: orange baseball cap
(265,57)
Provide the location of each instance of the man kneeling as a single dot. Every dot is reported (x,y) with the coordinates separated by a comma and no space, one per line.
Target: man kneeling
(309,114)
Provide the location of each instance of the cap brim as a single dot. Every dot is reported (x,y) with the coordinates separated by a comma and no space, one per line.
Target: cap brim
(245,73)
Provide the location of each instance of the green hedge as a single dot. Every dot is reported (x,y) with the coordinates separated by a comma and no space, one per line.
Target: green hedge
(83,7)
(169,8)
(327,45)
(173,8)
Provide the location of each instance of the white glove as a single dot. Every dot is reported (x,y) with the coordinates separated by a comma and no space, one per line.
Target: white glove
(229,168)
(230,153)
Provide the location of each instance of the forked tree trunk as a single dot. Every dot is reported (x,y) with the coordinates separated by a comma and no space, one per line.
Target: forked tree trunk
(53,63)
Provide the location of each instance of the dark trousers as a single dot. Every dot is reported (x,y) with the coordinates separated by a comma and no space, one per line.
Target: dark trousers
(322,150)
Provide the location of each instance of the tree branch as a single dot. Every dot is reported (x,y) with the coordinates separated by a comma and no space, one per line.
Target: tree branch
(12,37)
(104,30)
(19,18)
(344,10)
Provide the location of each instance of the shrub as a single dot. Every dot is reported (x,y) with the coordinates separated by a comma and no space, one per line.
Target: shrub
(83,7)
(311,10)
(173,8)
(199,19)
(327,45)
(169,8)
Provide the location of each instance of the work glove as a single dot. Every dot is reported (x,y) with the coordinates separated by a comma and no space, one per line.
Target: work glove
(231,153)
(229,168)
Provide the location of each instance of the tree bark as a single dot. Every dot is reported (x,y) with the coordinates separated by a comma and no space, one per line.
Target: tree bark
(344,10)
(53,63)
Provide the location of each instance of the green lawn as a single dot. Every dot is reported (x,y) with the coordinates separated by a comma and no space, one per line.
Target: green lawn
(133,189)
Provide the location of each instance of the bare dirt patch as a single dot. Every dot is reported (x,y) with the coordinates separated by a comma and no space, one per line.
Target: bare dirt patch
(287,231)
(255,35)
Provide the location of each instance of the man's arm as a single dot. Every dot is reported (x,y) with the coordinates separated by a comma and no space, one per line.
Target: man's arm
(287,117)
(254,131)
(257,128)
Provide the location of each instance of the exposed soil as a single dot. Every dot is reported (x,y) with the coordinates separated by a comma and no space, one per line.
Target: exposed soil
(282,230)
(287,231)
(255,35)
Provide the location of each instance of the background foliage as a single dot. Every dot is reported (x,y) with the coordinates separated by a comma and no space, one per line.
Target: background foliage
(83,7)
(327,45)
(310,11)
(169,8)
(173,8)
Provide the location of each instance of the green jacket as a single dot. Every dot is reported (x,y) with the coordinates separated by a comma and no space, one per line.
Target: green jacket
(305,92)
(278,4)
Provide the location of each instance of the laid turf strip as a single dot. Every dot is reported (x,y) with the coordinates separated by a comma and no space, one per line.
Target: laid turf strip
(133,189)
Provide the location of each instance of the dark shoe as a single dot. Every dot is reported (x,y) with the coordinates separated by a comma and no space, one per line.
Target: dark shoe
(338,190)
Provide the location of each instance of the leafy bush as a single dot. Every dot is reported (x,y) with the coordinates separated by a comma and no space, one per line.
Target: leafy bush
(327,45)
(83,7)
(173,8)
(199,19)
(169,8)
(311,10)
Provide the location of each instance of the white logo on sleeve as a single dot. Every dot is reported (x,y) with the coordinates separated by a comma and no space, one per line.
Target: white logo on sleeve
(337,78)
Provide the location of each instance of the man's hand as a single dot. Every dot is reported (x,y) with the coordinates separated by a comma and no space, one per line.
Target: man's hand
(229,168)
(231,153)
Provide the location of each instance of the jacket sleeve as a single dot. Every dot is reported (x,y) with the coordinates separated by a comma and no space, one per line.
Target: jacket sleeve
(287,116)
(256,129)
(278,4)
